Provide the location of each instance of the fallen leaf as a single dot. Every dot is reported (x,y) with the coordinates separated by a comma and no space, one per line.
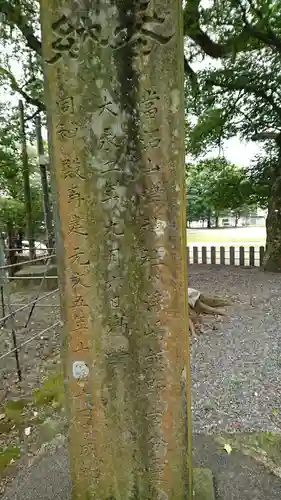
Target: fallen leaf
(227,448)
(27,431)
(2,416)
(274,412)
(35,413)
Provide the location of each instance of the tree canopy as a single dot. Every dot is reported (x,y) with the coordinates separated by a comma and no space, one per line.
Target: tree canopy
(217,187)
(232,63)
(238,91)
(232,67)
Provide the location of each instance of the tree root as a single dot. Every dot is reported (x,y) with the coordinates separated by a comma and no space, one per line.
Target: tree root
(205,305)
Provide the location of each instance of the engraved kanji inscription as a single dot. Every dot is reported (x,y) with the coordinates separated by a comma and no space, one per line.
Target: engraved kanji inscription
(71,169)
(74,196)
(66,132)
(149,28)
(79,257)
(76,225)
(107,105)
(148,103)
(148,107)
(78,301)
(66,104)
(78,279)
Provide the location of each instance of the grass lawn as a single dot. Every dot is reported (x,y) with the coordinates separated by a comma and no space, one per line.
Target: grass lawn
(246,235)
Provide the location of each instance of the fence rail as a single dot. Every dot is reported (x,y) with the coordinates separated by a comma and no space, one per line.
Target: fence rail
(251,256)
(9,320)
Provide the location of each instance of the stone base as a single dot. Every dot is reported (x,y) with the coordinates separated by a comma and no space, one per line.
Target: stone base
(203,484)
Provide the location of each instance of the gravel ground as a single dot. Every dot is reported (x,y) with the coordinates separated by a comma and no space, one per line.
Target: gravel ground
(36,356)
(236,362)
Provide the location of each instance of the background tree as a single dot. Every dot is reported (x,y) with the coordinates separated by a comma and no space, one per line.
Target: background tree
(217,187)
(12,213)
(236,95)
(239,93)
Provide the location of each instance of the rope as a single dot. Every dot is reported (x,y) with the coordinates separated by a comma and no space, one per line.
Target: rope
(28,304)
(38,259)
(58,323)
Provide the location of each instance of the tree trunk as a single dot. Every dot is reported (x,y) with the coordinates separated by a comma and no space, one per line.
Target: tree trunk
(272,258)
(217,221)
(116,115)
(45,187)
(26,185)
(236,220)
(209,225)
(12,251)
(19,241)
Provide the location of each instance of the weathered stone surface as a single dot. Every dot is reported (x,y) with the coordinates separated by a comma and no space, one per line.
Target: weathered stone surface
(114,88)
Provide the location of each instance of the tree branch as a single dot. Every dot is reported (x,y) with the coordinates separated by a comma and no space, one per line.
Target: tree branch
(213,49)
(266,135)
(16,18)
(240,42)
(268,37)
(247,87)
(192,76)
(15,86)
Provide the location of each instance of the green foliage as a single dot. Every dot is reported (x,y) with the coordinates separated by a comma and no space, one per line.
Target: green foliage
(238,89)
(12,214)
(216,187)
(19,34)
(51,392)
(7,456)
(12,208)
(261,173)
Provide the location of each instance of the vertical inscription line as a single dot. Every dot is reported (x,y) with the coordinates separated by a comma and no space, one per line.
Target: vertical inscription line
(114,92)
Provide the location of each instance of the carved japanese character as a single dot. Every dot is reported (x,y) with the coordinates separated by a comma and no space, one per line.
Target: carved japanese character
(107,105)
(76,225)
(79,257)
(74,194)
(66,132)
(77,279)
(66,104)
(71,168)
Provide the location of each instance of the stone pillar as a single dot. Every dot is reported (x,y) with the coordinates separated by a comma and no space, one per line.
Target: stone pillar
(114,93)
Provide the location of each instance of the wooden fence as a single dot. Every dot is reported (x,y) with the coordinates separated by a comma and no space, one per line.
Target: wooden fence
(251,256)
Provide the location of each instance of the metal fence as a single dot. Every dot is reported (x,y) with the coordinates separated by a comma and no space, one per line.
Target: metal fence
(19,327)
(249,256)
(20,332)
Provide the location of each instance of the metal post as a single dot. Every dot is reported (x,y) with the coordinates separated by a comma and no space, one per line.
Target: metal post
(43,161)
(2,277)
(26,184)
(11,319)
